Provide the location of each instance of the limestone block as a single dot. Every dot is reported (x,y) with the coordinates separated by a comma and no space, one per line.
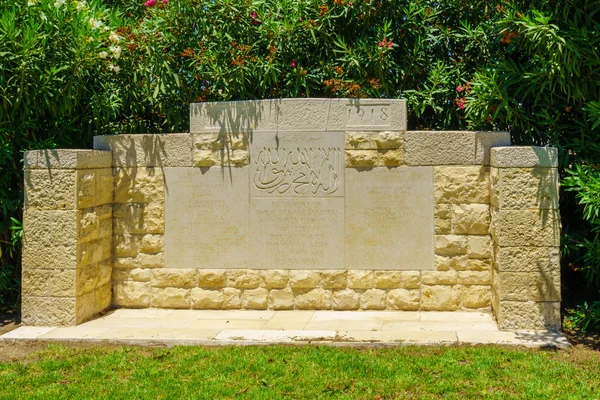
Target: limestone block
(333,279)
(479,246)
(485,141)
(307,279)
(104,186)
(528,315)
(212,278)
(120,274)
(451,245)
(461,263)
(48,282)
(104,271)
(440,298)
(346,299)
(206,158)
(126,245)
(410,279)
(243,278)
(140,261)
(439,277)
(206,299)
(139,185)
(475,277)
(239,158)
(471,219)
(210,141)
(403,299)
(94,223)
(94,252)
(390,158)
(282,299)
(524,188)
(164,277)
(439,148)
(102,298)
(525,286)
(462,185)
(443,226)
(361,158)
(443,211)
(87,279)
(141,274)
(476,297)
(372,299)
(48,311)
(544,260)
(148,150)
(231,298)
(524,157)
(359,141)
(360,279)
(139,219)
(366,115)
(255,299)
(170,297)
(389,139)
(152,244)
(84,305)
(37,255)
(132,294)
(49,228)
(86,188)
(479,265)
(388,279)
(316,299)
(50,189)
(525,228)
(66,159)
(442,263)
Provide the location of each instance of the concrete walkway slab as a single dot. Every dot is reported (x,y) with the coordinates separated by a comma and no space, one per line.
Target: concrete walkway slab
(352,328)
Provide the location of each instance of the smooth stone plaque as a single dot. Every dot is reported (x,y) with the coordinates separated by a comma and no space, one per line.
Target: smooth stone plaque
(297,233)
(389,218)
(297,164)
(206,218)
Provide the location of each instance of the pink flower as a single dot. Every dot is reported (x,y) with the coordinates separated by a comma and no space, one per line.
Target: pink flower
(150,3)
(165,1)
(460,102)
(293,64)
(390,44)
(459,89)
(254,14)
(380,44)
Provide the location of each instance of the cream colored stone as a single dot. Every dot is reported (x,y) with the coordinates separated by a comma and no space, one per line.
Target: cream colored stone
(479,247)
(388,279)
(450,245)
(333,279)
(152,244)
(524,157)
(443,211)
(275,279)
(49,282)
(485,141)
(526,228)
(93,252)
(84,307)
(49,227)
(525,188)
(439,277)
(528,315)
(410,279)
(346,299)
(439,298)
(87,279)
(439,148)
(403,299)
(316,299)
(139,185)
(126,245)
(120,274)
(141,274)
(389,139)
(470,219)
(476,297)
(170,297)
(528,259)
(443,263)
(209,141)
(50,189)
(206,158)
(282,299)
(359,141)
(390,158)
(212,278)
(48,311)
(366,115)
(150,150)
(102,298)
(304,279)
(462,185)
(131,294)
(231,298)
(372,299)
(66,159)
(526,286)
(475,277)
(361,158)
(174,277)
(39,256)
(206,299)
(141,261)
(360,279)
(479,265)
(139,219)
(104,187)
(243,278)
(86,188)
(443,226)
(255,299)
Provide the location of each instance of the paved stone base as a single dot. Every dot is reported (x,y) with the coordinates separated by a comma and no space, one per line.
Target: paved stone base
(352,328)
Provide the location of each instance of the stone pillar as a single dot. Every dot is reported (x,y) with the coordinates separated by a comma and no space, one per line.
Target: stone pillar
(526,234)
(67,232)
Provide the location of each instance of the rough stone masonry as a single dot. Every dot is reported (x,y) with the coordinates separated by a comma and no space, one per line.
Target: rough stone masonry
(294,204)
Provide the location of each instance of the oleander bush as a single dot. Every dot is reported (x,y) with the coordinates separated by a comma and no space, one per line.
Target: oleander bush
(69,70)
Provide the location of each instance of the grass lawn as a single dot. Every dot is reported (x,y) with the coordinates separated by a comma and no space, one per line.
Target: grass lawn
(300,372)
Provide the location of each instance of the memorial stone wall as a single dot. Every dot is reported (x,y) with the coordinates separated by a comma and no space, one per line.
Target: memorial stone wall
(294,204)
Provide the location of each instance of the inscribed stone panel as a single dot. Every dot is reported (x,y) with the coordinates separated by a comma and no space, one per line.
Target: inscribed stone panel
(206,217)
(297,233)
(293,164)
(389,218)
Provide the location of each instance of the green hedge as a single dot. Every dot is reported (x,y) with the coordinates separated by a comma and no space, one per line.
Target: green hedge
(531,67)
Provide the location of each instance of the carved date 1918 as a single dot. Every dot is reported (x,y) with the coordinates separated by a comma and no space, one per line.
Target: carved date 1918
(367,115)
